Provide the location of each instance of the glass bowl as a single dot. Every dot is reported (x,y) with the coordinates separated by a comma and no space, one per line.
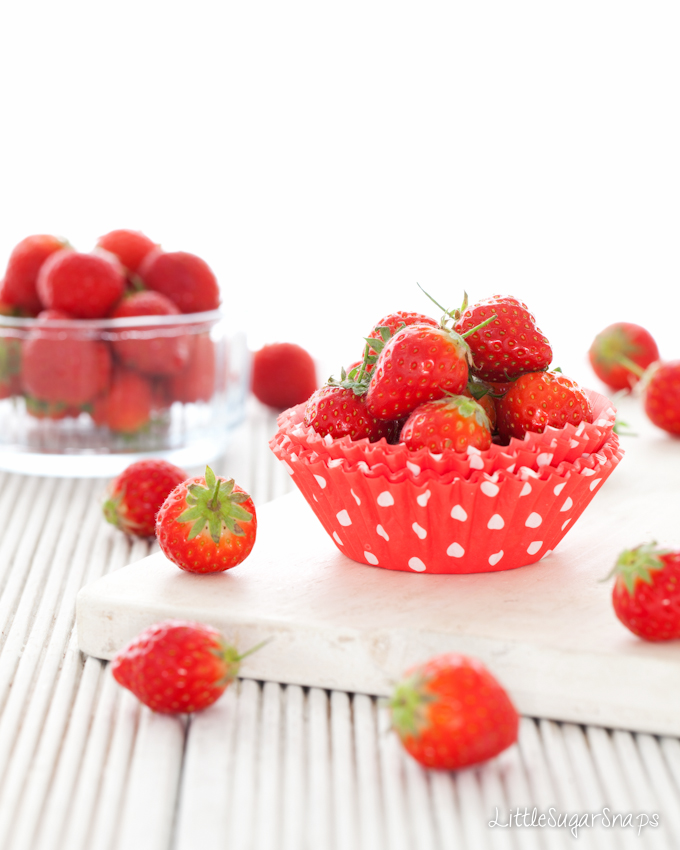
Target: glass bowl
(88,397)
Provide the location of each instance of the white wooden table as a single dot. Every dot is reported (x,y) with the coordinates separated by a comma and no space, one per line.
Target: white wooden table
(85,767)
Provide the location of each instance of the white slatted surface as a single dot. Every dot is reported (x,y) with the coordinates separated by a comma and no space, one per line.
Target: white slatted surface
(268,767)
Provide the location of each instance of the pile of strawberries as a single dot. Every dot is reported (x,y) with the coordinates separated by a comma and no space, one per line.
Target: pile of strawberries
(479,375)
(63,369)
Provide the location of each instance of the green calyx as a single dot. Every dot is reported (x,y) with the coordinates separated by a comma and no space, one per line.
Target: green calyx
(408,706)
(232,659)
(467,407)
(638,563)
(215,505)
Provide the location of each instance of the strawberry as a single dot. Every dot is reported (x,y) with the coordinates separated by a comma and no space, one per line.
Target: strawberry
(130,246)
(395,322)
(126,407)
(662,396)
(63,364)
(620,353)
(185,279)
(451,712)
(510,345)
(454,422)
(54,410)
(339,412)
(207,525)
(196,381)
(483,394)
(86,286)
(25,261)
(133,499)
(10,365)
(646,595)
(539,399)
(152,350)
(178,666)
(283,375)
(419,363)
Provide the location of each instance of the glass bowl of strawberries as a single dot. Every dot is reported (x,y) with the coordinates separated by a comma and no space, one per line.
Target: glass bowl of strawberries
(118,353)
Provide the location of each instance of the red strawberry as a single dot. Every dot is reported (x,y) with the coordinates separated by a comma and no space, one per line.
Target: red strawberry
(662,396)
(284,375)
(152,350)
(508,346)
(177,666)
(134,498)
(482,393)
(196,381)
(418,364)
(50,409)
(86,286)
(25,261)
(539,399)
(185,279)
(339,412)
(126,407)
(207,525)
(10,365)
(620,353)
(451,712)
(62,363)
(646,594)
(394,322)
(454,423)
(130,246)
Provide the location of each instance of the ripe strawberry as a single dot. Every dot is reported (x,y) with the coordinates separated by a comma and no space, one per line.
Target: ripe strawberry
(185,279)
(510,345)
(133,499)
(63,364)
(126,407)
(455,422)
(418,364)
(207,525)
(283,375)
(483,394)
(196,381)
(662,396)
(54,410)
(339,412)
(10,365)
(539,399)
(19,288)
(130,246)
(395,321)
(84,285)
(152,350)
(620,353)
(178,666)
(451,712)
(646,595)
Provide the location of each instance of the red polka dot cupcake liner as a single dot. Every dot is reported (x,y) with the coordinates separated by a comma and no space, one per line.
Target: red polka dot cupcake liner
(417,518)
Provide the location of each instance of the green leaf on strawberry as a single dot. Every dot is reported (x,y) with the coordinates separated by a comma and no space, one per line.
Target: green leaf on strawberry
(215,504)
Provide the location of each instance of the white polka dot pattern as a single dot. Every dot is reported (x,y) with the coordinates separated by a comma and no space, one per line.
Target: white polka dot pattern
(544,459)
(385,499)
(534,546)
(419,530)
(495,522)
(381,531)
(356,498)
(533,520)
(489,488)
(593,484)
(476,462)
(321,481)
(565,524)
(458,512)
(455,550)
(423,498)
(526,489)
(343,518)
(569,503)
(558,489)
(413,467)
(495,558)
(337,539)
(417,565)
(370,557)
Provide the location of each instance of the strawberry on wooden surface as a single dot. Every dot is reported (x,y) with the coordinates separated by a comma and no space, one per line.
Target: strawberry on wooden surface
(646,595)
(451,712)
(454,422)
(207,524)
(178,666)
(134,497)
(621,352)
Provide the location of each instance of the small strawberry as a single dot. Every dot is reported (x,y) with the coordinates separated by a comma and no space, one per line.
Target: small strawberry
(455,422)
(620,353)
(126,407)
(130,246)
(185,279)
(395,322)
(178,666)
(485,395)
(451,713)
(196,380)
(510,345)
(539,399)
(152,349)
(339,412)
(662,396)
(54,410)
(63,364)
(84,285)
(646,595)
(20,285)
(133,499)
(207,525)
(283,375)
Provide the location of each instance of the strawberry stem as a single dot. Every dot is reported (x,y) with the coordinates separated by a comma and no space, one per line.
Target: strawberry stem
(254,648)
(629,364)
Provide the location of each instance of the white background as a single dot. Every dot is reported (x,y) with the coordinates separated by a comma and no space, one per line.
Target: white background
(323,157)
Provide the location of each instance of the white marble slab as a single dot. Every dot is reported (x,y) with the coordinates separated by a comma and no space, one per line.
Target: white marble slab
(547,630)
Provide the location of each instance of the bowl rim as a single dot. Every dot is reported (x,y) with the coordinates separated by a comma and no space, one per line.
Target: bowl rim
(182,319)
